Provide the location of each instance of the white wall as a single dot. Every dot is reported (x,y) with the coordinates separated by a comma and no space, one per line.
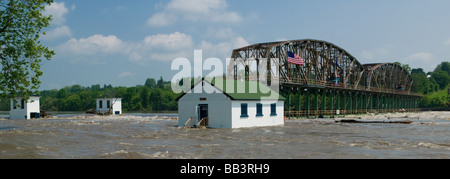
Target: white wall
(116,104)
(219,107)
(225,113)
(257,121)
(31,106)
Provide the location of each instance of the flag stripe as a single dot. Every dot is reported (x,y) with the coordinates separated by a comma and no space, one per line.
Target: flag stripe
(295,59)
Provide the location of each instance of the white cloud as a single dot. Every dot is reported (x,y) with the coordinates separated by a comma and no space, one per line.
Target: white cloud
(57,10)
(421,56)
(424,60)
(169,56)
(212,10)
(222,50)
(195,10)
(160,47)
(121,8)
(228,17)
(381,53)
(93,45)
(367,55)
(161,19)
(126,75)
(224,33)
(196,6)
(447,42)
(175,41)
(167,47)
(62,31)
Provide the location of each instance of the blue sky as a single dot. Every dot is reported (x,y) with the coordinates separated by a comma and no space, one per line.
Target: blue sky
(124,42)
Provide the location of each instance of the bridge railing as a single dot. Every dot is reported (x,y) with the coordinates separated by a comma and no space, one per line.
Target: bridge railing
(330,84)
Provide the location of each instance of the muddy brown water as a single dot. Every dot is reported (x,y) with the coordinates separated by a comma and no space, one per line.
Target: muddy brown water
(145,137)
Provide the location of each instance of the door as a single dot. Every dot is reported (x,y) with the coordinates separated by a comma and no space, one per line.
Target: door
(34,115)
(203,114)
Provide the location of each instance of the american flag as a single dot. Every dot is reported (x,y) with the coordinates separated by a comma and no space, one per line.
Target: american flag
(295,59)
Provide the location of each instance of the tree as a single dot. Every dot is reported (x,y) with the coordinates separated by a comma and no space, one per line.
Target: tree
(160,83)
(73,103)
(150,82)
(420,82)
(444,66)
(135,104)
(145,93)
(127,96)
(21,52)
(404,66)
(418,71)
(442,78)
(155,100)
(432,85)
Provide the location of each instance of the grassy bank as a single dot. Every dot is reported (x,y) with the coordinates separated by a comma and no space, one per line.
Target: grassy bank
(436,99)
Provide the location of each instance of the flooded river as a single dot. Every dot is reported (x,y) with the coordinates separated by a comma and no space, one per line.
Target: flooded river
(148,137)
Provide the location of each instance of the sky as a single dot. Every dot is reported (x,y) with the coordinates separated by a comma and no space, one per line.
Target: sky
(124,42)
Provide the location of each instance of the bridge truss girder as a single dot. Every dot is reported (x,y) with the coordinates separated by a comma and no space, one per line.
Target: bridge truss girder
(322,59)
(269,61)
(388,76)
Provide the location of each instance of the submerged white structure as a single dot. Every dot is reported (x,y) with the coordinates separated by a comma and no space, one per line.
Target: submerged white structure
(25,109)
(222,109)
(104,105)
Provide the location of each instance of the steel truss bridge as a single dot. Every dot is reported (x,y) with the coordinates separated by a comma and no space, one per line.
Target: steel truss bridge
(332,81)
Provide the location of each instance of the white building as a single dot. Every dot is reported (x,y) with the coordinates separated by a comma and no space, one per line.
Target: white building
(230,110)
(105,104)
(25,109)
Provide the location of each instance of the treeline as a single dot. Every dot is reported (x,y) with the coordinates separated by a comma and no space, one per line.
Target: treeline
(153,96)
(157,95)
(433,85)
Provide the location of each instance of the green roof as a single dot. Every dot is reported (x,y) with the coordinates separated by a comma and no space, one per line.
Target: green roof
(245,90)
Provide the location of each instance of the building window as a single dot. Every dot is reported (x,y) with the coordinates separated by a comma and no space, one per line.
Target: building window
(273,109)
(244,109)
(259,109)
(22,103)
(108,104)
(100,104)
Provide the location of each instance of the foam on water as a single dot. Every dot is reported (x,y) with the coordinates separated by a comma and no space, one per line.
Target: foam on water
(148,137)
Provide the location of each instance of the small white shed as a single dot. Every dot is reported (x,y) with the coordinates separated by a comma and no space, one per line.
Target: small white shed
(25,109)
(105,104)
(232,109)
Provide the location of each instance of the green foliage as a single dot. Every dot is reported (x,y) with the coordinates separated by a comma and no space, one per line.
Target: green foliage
(433,81)
(150,82)
(422,84)
(157,98)
(442,74)
(433,85)
(436,99)
(21,52)
(442,78)
(404,66)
